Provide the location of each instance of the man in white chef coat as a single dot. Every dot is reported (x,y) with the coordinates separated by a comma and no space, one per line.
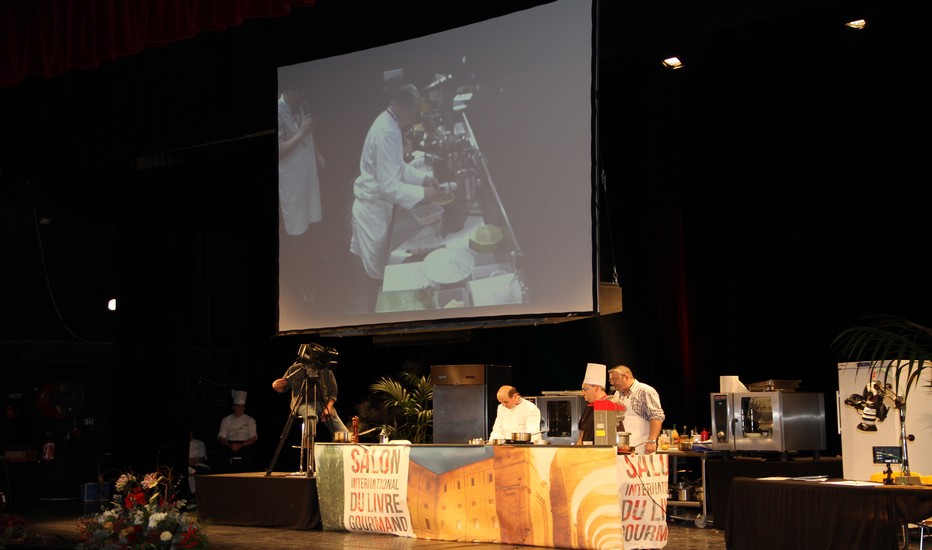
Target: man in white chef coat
(386,180)
(515,414)
(299,195)
(298,163)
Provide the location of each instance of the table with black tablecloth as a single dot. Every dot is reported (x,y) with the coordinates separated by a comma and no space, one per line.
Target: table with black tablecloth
(258,499)
(800,514)
(718,475)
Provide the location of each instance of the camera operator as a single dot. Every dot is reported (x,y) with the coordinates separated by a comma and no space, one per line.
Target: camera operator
(313,387)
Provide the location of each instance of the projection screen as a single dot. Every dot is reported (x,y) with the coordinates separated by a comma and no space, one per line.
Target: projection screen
(498,139)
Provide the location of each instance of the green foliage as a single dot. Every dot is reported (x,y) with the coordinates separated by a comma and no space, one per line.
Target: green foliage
(407,400)
(896,347)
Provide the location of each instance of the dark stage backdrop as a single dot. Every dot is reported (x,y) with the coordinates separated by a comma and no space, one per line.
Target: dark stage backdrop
(751,212)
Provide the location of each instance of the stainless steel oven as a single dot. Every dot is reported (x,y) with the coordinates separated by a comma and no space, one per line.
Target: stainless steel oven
(768,421)
(559,416)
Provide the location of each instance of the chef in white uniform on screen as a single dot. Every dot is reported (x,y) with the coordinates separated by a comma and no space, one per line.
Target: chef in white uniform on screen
(386,180)
(299,161)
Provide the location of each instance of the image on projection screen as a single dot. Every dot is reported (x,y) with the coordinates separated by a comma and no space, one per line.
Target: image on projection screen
(446,177)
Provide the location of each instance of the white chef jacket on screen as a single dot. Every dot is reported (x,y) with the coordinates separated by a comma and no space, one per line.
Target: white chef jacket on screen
(523,418)
(384,181)
(298,180)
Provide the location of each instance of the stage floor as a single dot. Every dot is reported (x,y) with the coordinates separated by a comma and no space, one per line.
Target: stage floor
(58,531)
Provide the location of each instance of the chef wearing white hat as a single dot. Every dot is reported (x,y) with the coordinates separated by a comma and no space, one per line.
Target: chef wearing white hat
(593,388)
(237,436)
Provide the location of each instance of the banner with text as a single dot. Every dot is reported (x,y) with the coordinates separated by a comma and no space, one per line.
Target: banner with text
(642,494)
(375,485)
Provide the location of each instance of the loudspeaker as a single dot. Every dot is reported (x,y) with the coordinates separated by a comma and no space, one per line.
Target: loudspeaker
(465,401)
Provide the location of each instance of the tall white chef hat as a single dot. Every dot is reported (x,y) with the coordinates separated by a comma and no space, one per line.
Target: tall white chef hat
(595,374)
(239,398)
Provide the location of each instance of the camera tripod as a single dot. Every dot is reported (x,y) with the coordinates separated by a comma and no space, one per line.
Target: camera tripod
(301,408)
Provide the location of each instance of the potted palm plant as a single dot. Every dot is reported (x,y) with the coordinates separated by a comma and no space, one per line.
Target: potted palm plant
(406,401)
(896,351)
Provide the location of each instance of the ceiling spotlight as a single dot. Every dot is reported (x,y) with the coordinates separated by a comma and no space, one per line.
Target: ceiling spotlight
(673,63)
(856,24)
(111,305)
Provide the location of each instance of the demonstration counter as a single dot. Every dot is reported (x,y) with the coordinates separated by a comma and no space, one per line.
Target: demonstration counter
(535,495)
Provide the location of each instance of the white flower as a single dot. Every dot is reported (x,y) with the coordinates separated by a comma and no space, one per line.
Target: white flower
(165,536)
(155,518)
(122,481)
(151,480)
(139,517)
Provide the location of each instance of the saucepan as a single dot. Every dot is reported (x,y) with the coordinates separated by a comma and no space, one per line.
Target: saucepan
(523,437)
(341,437)
(496,441)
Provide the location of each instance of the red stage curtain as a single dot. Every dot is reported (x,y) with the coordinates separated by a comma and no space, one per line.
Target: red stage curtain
(46,38)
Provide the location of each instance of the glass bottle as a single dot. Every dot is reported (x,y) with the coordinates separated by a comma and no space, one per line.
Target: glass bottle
(674,436)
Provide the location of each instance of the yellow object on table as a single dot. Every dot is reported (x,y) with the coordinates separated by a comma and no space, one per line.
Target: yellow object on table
(878,477)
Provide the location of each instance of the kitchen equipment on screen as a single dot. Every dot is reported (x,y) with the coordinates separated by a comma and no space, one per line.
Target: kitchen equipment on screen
(448,265)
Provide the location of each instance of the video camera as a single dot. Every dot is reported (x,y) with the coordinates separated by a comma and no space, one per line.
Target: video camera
(317,356)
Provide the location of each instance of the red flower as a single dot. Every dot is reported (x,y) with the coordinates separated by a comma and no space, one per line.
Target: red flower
(134,497)
(189,538)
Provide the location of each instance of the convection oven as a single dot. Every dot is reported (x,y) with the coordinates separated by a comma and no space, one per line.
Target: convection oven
(559,415)
(768,421)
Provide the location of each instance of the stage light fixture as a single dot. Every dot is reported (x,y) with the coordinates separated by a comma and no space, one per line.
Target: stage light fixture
(857,24)
(673,63)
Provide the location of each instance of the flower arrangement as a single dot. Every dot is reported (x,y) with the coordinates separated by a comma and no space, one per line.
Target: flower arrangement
(12,529)
(144,514)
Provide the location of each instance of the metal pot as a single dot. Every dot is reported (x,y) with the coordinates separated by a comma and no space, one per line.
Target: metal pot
(496,441)
(682,491)
(623,441)
(341,437)
(521,437)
